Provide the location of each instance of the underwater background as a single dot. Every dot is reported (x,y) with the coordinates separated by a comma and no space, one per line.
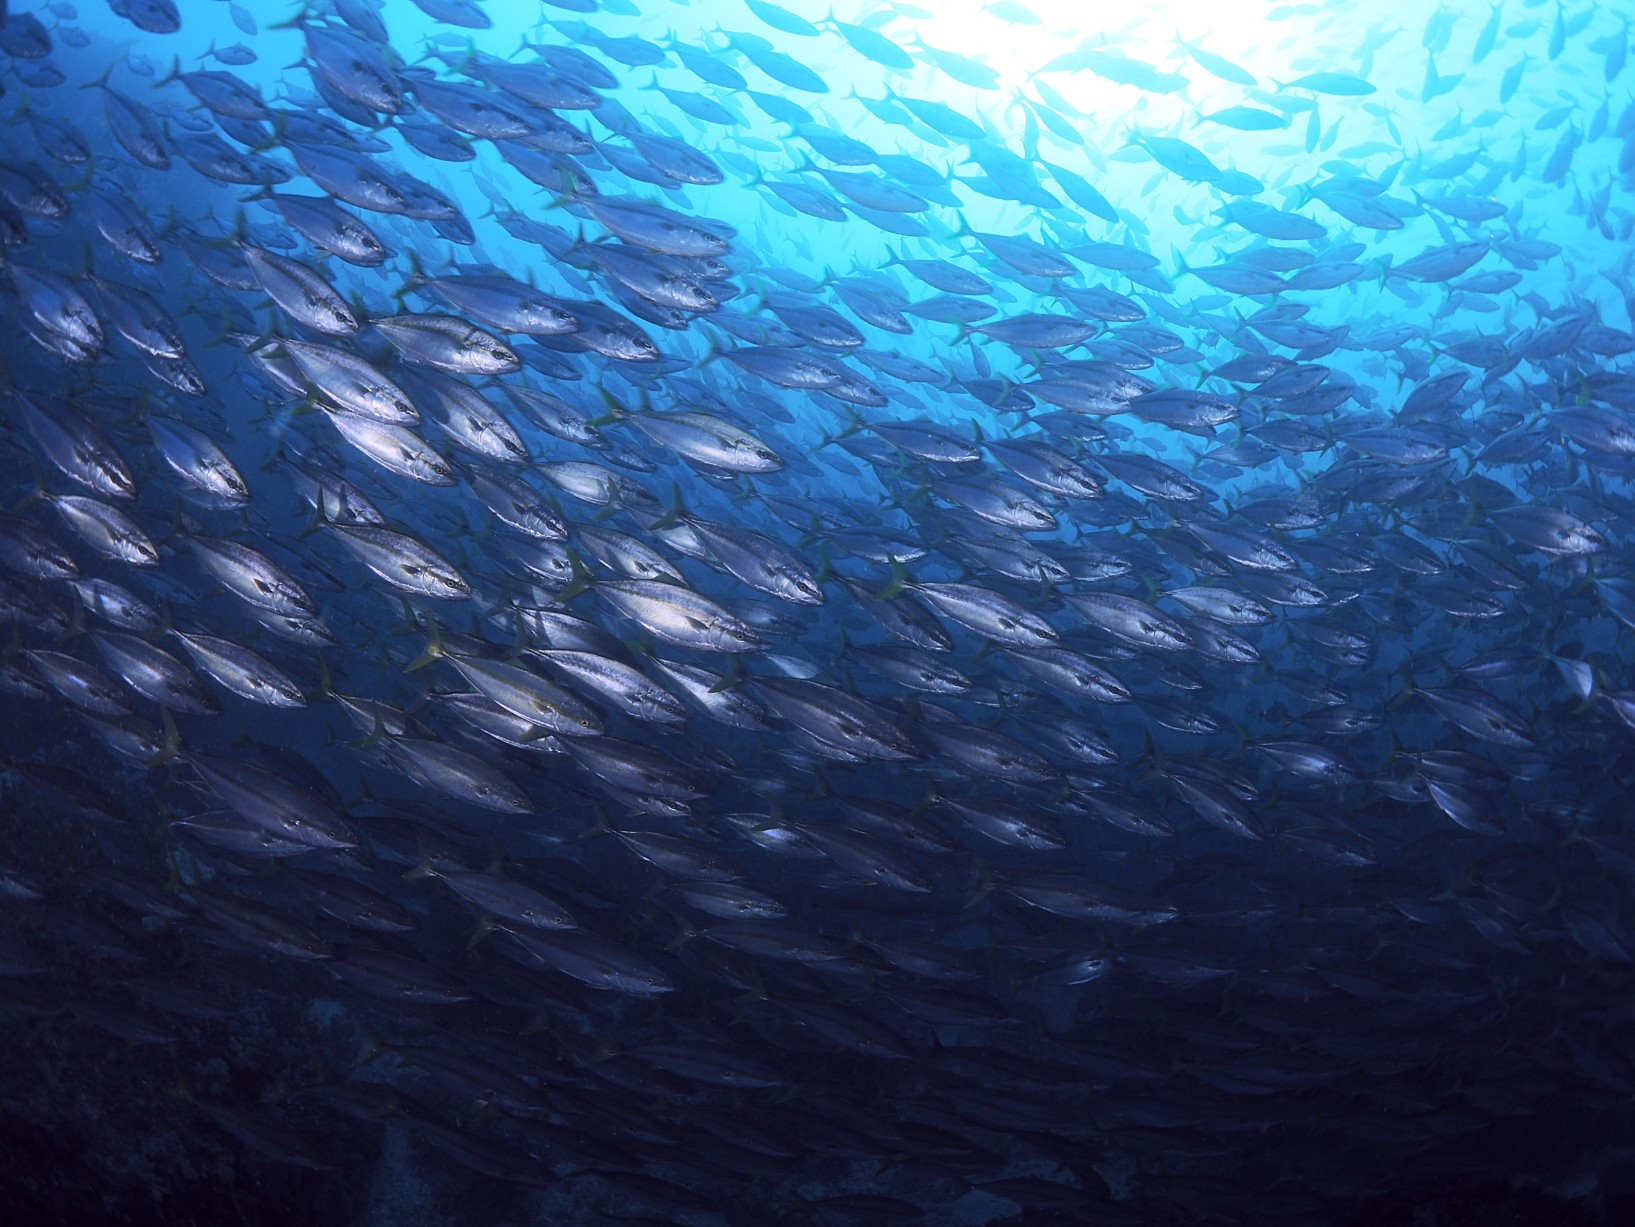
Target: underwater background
(736,613)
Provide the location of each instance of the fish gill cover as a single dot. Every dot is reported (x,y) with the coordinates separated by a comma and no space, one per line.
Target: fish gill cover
(748,612)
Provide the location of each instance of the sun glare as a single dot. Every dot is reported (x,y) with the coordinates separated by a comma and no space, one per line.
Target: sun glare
(1019,38)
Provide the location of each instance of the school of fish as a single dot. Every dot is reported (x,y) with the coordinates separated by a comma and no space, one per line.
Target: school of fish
(865,645)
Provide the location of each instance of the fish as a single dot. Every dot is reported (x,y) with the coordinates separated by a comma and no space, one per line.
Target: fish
(1074,576)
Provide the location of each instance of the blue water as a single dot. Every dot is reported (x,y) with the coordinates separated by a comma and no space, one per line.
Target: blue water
(1315,915)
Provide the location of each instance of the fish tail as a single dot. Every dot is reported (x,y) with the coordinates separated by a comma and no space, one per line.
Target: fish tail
(580,581)
(171,748)
(899,581)
(434,647)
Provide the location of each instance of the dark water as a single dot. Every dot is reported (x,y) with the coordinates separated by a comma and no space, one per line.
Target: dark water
(725,613)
